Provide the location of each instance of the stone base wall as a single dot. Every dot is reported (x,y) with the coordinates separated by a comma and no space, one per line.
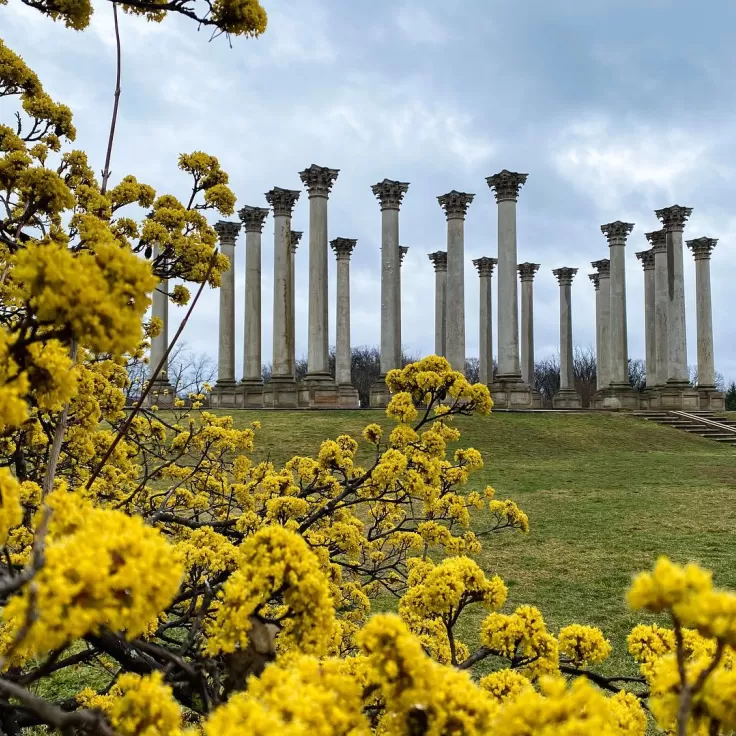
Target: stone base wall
(568,399)
(674,398)
(380,395)
(226,395)
(318,394)
(712,400)
(616,398)
(514,395)
(281,393)
(347,397)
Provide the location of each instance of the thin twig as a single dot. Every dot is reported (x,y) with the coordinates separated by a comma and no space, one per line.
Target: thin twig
(106,171)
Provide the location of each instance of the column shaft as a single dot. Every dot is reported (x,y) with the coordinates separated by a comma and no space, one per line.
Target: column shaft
(604,357)
(619,365)
(226,346)
(390,296)
(486,331)
(252,348)
(567,376)
(596,280)
(661,306)
(706,364)
(508,310)
(527,332)
(650,328)
(318,345)
(456,293)
(159,344)
(440,313)
(281,278)
(677,334)
(343,374)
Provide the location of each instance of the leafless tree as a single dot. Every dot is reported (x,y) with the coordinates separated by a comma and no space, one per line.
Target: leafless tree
(692,371)
(547,378)
(585,373)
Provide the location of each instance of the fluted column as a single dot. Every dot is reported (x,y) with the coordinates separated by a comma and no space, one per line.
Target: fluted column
(701,249)
(455,205)
(390,195)
(296,236)
(673,219)
(485,268)
(506,186)
(526,274)
(658,241)
(616,233)
(403,250)
(650,346)
(282,201)
(567,397)
(318,181)
(227,232)
(343,248)
(439,261)
(603,353)
(253,219)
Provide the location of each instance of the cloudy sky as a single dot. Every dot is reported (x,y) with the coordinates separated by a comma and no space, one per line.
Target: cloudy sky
(613,107)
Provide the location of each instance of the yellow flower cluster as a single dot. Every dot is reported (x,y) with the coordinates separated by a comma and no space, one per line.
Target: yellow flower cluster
(584,645)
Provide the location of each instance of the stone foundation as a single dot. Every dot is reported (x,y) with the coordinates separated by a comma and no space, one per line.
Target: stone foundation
(380,395)
(674,397)
(514,395)
(711,400)
(318,392)
(252,392)
(161,394)
(615,398)
(347,397)
(281,393)
(226,395)
(567,399)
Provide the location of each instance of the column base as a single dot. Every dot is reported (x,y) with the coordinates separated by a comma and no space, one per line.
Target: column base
(162,394)
(711,400)
(511,393)
(616,397)
(674,397)
(567,399)
(380,396)
(318,391)
(347,396)
(226,394)
(281,392)
(252,390)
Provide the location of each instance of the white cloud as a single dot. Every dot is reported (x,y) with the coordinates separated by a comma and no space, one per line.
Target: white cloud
(419,26)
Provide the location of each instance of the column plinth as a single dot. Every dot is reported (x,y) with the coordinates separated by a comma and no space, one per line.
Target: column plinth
(225,392)
(281,390)
(253,219)
(439,261)
(527,272)
(390,194)
(455,206)
(347,395)
(710,398)
(567,397)
(485,268)
(647,262)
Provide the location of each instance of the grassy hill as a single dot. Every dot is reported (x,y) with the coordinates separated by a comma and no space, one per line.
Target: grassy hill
(605,495)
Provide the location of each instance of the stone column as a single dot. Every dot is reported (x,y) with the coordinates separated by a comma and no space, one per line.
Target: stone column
(455,204)
(506,186)
(658,241)
(390,195)
(603,355)
(485,268)
(526,274)
(343,248)
(647,261)
(567,397)
(159,345)
(280,391)
(709,397)
(616,233)
(318,181)
(673,219)
(595,279)
(403,250)
(296,236)
(224,392)
(439,261)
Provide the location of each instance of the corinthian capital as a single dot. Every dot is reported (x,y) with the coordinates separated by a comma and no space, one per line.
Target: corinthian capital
(527,271)
(403,250)
(318,180)
(227,231)
(658,240)
(506,184)
(596,279)
(617,232)
(603,267)
(390,193)
(673,218)
(485,265)
(439,260)
(282,201)
(647,259)
(253,218)
(702,247)
(296,236)
(565,275)
(343,247)
(455,204)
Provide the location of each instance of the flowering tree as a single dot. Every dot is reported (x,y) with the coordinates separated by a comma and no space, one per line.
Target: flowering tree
(198,592)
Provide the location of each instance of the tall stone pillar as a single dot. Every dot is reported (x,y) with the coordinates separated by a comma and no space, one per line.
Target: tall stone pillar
(318,181)
(455,205)
(439,261)
(526,274)
(390,195)
(253,219)
(403,250)
(595,279)
(567,397)
(603,354)
(677,392)
(710,398)
(658,241)
(509,390)
(225,393)
(296,236)
(162,392)
(281,390)
(348,396)
(619,393)
(485,268)
(650,350)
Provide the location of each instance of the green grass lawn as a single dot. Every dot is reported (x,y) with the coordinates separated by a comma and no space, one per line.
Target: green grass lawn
(605,494)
